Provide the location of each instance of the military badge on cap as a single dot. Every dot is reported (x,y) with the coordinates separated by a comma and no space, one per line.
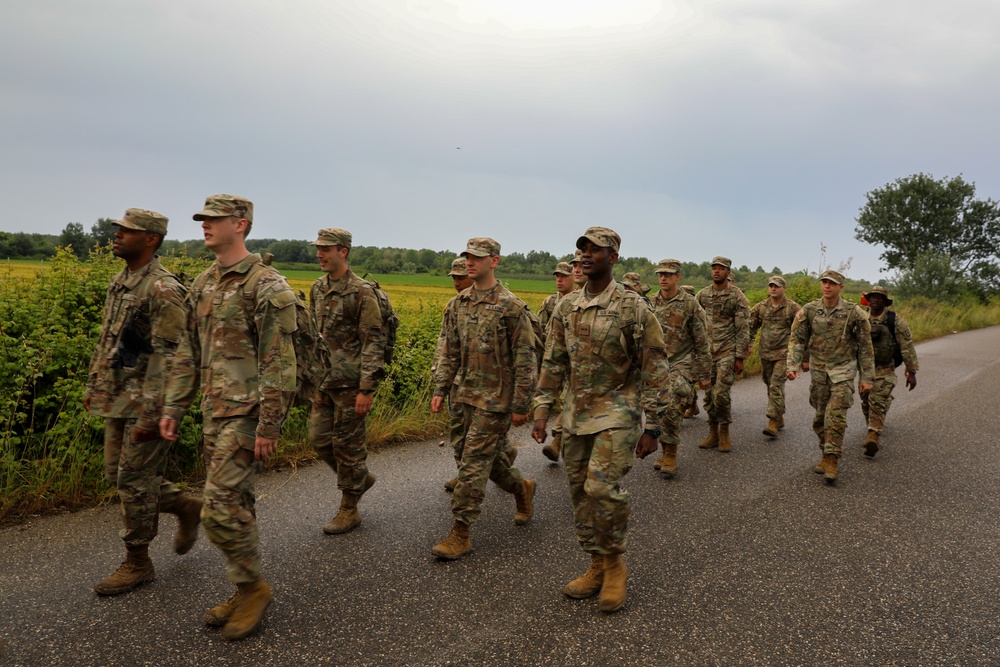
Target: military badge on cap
(482,246)
(223,206)
(601,236)
(333,236)
(144,219)
(459,268)
(669,266)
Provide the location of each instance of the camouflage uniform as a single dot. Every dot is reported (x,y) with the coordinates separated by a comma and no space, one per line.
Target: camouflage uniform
(238,350)
(685,334)
(775,326)
(349,319)
(607,353)
(144,317)
(838,343)
(485,363)
(728,312)
(553,449)
(875,403)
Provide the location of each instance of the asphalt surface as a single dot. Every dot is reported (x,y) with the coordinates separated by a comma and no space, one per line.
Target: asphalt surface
(745,558)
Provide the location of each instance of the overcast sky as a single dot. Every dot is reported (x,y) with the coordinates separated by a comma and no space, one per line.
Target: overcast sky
(748,129)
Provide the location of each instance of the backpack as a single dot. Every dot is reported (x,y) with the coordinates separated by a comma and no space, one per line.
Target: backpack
(897,353)
(539,333)
(389,317)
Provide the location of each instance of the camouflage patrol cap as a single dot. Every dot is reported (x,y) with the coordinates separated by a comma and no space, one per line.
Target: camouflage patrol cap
(576,257)
(722,261)
(601,236)
(144,219)
(688,288)
(482,246)
(833,276)
(669,266)
(563,269)
(221,206)
(459,267)
(333,236)
(632,279)
(878,289)
(777,281)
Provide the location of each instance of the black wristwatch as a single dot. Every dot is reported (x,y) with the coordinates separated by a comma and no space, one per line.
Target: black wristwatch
(655,432)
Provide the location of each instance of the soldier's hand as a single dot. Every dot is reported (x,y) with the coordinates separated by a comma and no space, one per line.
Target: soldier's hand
(518,420)
(738,366)
(792,375)
(911,380)
(704,384)
(645,446)
(538,432)
(142,435)
(264,448)
(168,429)
(86,403)
(864,387)
(363,404)
(436,404)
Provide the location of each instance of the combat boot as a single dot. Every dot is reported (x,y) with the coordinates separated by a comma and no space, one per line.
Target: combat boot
(134,571)
(588,584)
(871,443)
(450,485)
(525,508)
(771,430)
(551,450)
(712,439)
(694,409)
(781,422)
(251,602)
(725,444)
(219,615)
(188,511)
(830,476)
(456,545)
(821,467)
(613,591)
(669,461)
(348,518)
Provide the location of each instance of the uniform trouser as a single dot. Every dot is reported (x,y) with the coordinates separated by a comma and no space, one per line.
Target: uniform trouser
(831,400)
(682,393)
(135,469)
(595,466)
(485,455)
(774,376)
(456,432)
(717,401)
(228,513)
(337,433)
(875,403)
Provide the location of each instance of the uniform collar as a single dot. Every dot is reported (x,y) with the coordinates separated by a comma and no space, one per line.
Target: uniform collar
(339,285)
(131,281)
(242,266)
(602,300)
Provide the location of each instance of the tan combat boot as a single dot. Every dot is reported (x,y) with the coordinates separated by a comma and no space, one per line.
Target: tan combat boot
(188,511)
(669,461)
(771,430)
(830,476)
(871,443)
(456,545)
(219,615)
(613,591)
(694,410)
(821,467)
(551,450)
(348,518)
(725,444)
(134,571)
(252,601)
(590,582)
(712,439)
(525,508)
(450,485)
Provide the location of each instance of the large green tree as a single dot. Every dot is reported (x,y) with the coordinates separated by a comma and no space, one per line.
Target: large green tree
(920,218)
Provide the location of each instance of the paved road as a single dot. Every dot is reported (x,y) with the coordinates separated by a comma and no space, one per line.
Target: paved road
(743,559)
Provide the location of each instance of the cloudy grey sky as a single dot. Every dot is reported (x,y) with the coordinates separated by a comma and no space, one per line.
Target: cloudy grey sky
(693,128)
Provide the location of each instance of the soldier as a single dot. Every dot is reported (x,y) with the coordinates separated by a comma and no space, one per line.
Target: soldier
(460,274)
(144,317)
(728,310)
(485,362)
(837,337)
(633,281)
(348,317)
(773,317)
(238,349)
(564,285)
(685,334)
(605,349)
(460,277)
(893,345)
(692,409)
(579,280)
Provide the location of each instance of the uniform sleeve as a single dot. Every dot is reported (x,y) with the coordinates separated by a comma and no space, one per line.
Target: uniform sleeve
(904,338)
(545,312)
(555,367)
(793,310)
(184,378)
(168,320)
(276,324)
(655,393)
(448,355)
(698,324)
(754,322)
(371,331)
(798,341)
(866,353)
(741,321)
(522,343)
